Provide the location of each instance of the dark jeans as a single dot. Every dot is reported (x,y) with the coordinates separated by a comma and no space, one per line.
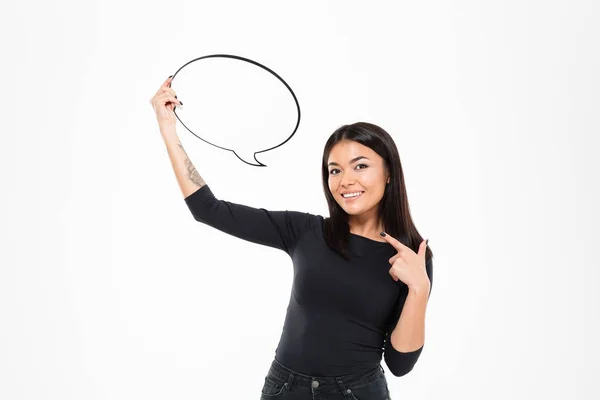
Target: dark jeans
(283,383)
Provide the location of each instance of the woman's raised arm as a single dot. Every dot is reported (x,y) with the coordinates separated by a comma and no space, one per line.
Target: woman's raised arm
(188,178)
(164,102)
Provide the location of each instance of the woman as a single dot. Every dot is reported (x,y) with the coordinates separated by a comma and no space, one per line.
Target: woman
(362,277)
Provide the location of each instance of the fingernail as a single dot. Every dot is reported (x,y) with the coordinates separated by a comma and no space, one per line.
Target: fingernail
(427,242)
(382,234)
(181,102)
(170,76)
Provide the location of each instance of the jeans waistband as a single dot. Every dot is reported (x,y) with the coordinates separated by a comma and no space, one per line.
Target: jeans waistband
(323,383)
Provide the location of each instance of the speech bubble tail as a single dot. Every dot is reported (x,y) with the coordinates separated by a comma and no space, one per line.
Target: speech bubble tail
(250,157)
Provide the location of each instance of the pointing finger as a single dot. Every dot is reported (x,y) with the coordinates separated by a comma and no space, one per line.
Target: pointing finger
(423,249)
(395,242)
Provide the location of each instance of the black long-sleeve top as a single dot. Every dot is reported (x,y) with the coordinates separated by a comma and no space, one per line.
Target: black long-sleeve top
(340,313)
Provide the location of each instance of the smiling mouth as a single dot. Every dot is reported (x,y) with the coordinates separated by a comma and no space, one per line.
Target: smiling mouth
(352,197)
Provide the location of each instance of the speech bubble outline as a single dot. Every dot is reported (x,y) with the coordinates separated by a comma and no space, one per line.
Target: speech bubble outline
(263,67)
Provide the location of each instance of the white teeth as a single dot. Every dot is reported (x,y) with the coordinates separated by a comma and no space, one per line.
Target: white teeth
(346,195)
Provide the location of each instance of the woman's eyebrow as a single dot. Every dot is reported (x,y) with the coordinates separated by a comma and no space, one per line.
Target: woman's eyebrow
(351,161)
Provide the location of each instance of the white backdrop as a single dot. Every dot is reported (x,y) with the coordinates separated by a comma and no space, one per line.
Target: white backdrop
(109,289)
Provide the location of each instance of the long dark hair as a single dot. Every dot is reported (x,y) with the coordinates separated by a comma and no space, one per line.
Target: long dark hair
(393,207)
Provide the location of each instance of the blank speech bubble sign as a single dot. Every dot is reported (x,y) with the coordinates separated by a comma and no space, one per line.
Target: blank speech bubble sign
(236,104)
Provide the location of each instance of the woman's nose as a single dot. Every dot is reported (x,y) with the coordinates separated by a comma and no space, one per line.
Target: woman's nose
(348,180)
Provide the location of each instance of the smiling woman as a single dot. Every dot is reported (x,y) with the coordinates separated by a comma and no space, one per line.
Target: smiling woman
(358,187)
(349,308)
(363,157)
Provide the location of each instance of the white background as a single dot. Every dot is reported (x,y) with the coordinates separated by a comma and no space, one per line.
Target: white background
(109,289)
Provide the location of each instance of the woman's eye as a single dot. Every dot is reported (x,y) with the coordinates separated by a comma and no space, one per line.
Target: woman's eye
(335,169)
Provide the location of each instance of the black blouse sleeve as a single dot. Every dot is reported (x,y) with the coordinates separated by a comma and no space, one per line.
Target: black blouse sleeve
(278,229)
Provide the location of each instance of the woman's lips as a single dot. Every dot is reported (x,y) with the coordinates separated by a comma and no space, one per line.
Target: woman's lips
(352,198)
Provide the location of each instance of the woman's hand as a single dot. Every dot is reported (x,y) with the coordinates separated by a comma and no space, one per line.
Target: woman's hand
(408,266)
(164,102)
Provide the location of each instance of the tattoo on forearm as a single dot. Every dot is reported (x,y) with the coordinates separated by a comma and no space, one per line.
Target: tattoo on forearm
(193,174)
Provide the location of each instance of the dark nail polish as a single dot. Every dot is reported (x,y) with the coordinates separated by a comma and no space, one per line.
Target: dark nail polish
(382,234)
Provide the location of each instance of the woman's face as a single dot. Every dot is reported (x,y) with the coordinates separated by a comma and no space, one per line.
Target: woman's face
(347,174)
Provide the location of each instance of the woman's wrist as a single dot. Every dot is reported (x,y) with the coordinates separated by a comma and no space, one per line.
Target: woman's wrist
(420,289)
(168,132)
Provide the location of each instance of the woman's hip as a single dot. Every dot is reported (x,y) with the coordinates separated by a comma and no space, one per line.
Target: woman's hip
(284,383)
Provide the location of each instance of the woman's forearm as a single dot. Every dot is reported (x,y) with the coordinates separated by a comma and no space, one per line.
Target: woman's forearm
(188,178)
(409,334)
